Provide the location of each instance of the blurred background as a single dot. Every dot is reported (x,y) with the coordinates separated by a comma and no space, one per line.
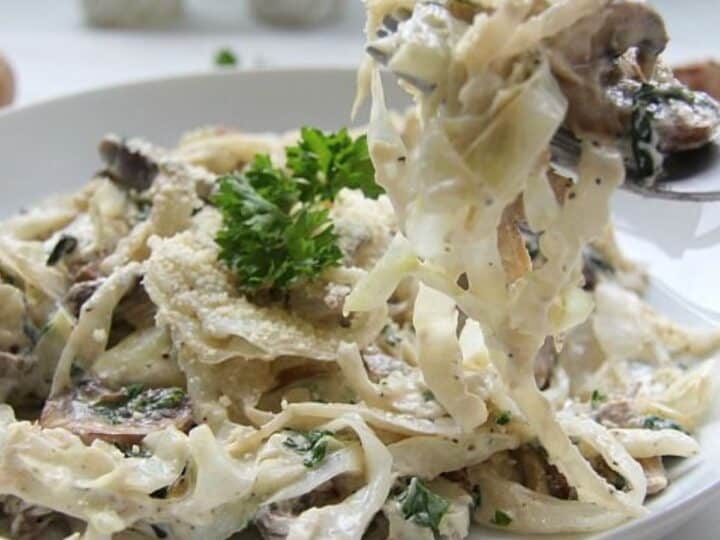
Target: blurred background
(61,46)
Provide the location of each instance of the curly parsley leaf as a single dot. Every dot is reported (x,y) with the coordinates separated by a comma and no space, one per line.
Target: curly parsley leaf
(323,164)
(266,240)
(276,229)
(421,506)
(312,446)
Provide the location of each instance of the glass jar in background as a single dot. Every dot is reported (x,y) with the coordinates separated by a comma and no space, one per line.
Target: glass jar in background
(131,13)
(296,12)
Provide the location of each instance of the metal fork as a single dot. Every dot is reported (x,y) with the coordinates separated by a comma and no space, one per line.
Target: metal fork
(696,169)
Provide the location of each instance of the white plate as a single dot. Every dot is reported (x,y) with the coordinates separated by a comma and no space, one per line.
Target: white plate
(50,147)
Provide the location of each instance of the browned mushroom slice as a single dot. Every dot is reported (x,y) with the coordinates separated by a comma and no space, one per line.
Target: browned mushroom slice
(539,475)
(123,417)
(619,413)
(585,61)
(702,76)
(128,167)
(608,67)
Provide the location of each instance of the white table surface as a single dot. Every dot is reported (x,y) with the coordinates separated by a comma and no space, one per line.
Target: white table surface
(54,53)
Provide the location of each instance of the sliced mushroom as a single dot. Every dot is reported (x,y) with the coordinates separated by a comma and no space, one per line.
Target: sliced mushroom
(702,77)
(128,165)
(79,293)
(607,59)
(585,60)
(539,475)
(123,417)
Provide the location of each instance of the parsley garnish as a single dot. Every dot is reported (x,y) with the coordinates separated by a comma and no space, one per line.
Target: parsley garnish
(276,229)
(267,242)
(658,422)
(501,518)
(428,395)
(422,506)
(503,418)
(323,164)
(311,445)
(225,58)
(597,398)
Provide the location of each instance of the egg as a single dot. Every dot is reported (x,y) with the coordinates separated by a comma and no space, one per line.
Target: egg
(7,83)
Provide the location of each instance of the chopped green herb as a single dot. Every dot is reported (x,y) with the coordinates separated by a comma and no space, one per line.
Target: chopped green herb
(268,245)
(657,422)
(597,398)
(428,395)
(276,229)
(323,164)
(311,445)
(64,246)
(225,58)
(421,506)
(501,518)
(503,418)
(136,398)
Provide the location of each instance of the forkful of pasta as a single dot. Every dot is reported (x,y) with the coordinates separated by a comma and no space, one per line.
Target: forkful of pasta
(607,63)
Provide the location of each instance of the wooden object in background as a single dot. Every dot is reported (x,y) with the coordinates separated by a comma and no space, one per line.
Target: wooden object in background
(7,83)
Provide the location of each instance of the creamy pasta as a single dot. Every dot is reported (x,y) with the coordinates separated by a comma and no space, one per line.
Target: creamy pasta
(441,332)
